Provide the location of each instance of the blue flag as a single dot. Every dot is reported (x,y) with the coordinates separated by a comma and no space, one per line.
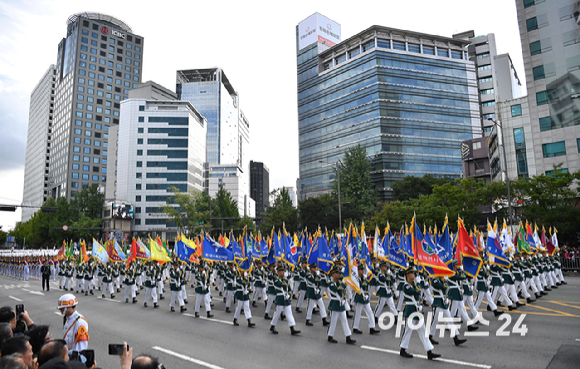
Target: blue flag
(444,249)
(394,253)
(214,251)
(324,261)
(183,251)
(290,251)
(494,249)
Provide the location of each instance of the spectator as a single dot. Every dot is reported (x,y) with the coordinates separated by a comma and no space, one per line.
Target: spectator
(19,326)
(38,336)
(5,333)
(140,362)
(13,361)
(51,350)
(19,345)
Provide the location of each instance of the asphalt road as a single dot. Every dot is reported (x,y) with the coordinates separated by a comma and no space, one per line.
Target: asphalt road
(552,339)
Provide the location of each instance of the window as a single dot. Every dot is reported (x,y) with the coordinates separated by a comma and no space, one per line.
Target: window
(538,72)
(542,98)
(95,177)
(551,172)
(138,175)
(484,55)
(546,124)
(532,24)
(75,167)
(78,131)
(85,168)
(75,175)
(414,48)
(516,110)
(487,79)
(139,141)
(384,44)
(398,45)
(489,103)
(528,3)
(535,48)
(476,145)
(456,54)
(141,119)
(86,177)
(76,149)
(428,50)
(484,67)
(578,143)
(86,159)
(96,160)
(488,91)
(487,116)
(139,152)
(554,149)
(76,158)
(139,164)
(442,52)
(138,198)
(87,150)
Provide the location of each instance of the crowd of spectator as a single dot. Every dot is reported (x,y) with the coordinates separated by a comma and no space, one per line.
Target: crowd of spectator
(25,345)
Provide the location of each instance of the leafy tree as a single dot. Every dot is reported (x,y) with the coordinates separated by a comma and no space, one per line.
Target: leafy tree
(89,202)
(192,212)
(247,222)
(355,184)
(3,237)
(412,187)
(319,211)
(280,212)
(224,206)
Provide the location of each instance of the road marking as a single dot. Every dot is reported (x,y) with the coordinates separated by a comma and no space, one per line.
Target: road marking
(464,363)
(58,313)
(187,358)
(36,293)
(113,300)
(554,311)
(560,303)
(14,298)
(577,339)
(210,319)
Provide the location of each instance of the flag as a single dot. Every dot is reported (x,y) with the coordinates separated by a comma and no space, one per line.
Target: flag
(119,251)
(184,252)
(142,251)
(83,252)
(214,251)
(494,249)
(132,253)
(378,251)
(264,249)
(350,270)
(290,250)
(69,251)
(467,254)
(157,251)
(406,243)
(324,261)
(61,252)
(530,238)
(555,239)
(99,252)
(523,245)
(444,248)
(276,247)
(257,247)
(395,254)
(426,255)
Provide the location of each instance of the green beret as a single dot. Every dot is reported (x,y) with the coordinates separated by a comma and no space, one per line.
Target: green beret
(280,268)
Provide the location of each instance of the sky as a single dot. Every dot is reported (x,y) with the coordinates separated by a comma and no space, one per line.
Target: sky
(254,42)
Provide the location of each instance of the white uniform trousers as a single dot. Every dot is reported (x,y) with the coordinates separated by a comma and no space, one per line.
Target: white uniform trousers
(502,291)
(421,331)
(531,284)
(271,299)
(183,292)
(129,290)
(150,292)
(385,300)
(468,301)
(246,306)
(287,311)
(538,282)
(79,283)
(560,275)
(438,313)
(487,295)
(259,291)
(459,306)
(400,302)
(176,295)
(550,278)
(108,286)
(312,304)
(522,287)
(334,317)
(206,300)
(300,299)
(358,312)
(511,292)
(295,286)
(230,296)
(87,285)
(26,272)
(68,284)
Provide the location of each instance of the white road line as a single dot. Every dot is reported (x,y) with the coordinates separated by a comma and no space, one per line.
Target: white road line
(464,363)
(36,293)
(113,300)
(577,339)
(58,313)
(14,298)
(187,358)
(210,319)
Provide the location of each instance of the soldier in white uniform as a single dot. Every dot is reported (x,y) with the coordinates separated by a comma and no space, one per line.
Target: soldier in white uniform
(76,327)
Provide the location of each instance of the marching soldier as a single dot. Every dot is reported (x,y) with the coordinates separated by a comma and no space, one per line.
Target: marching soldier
(202,291)
(456,295)
(411,294)
(230,278)
(283,302)
(441,309)
(175,288)
(88,278)
(242,296)
(151,285)
(271,290)
(130,284)
(302,270)
(483,290)
(337,307)
(314,297)
(108,281)
(363,302)
(259,283)
(498,287)
(384,293)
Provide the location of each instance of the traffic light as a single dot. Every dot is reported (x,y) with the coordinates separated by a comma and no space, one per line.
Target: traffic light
(7,208)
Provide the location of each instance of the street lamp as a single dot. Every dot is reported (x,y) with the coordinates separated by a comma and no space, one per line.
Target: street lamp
(338,181)
(507,179)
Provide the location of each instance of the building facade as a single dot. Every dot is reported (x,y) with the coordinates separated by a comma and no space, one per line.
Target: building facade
(228,129)
(38,144)
(409,98)
(550,37)
(475,156)
(260,186)
(228,177)
(98,62)
(161,145)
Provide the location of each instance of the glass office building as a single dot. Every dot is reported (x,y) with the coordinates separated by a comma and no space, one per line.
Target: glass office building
(409,98)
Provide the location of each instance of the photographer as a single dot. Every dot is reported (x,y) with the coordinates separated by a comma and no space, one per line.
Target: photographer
(21,346)
(19,324)
(140,362)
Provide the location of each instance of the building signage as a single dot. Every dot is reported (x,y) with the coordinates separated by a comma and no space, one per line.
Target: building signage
(318,28)
(466,151)
(104,29)
(118,34)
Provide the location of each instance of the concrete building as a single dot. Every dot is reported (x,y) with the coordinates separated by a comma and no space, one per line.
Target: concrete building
(291,192)
(550,35)
(161,144)
(228,129)
(228,177)
(260,186)
(410,98)
(38,144)
(475,156)
(98,62)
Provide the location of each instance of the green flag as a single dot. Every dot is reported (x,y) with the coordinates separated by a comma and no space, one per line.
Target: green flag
(69,251)
(523,246)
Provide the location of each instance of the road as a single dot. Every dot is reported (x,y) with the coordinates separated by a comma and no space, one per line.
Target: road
(180,340)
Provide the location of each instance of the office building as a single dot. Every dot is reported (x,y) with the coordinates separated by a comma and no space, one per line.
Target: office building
(260,186)
(38,144)
(475,156)
(228,129)
(98,62)
(291,193)
(549,32)
(161,145)
(410,98)
(228,176)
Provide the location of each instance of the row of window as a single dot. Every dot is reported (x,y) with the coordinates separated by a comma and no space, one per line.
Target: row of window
(90,82)
(101,77)
(87,159)
(112,40)
(85,176)
(128,68)
(109,63)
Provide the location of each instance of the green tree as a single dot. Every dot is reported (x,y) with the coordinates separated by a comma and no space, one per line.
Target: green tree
(3,237)
(192,211)
(89,202)
(356,190)
(412,187)
(224,206)
(319,211)
(247,222)
(280,212)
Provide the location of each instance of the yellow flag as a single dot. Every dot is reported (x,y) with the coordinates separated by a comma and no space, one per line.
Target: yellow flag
(157,251)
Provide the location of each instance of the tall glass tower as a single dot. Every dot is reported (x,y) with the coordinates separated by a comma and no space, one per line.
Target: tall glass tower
(98,62)
(409,98)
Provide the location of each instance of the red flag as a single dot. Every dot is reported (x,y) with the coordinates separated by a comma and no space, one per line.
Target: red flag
(466,253)
(551,248)
(61,252)
(113,255)
(133,255)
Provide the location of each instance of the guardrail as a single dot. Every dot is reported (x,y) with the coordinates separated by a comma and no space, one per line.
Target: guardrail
(570,265)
